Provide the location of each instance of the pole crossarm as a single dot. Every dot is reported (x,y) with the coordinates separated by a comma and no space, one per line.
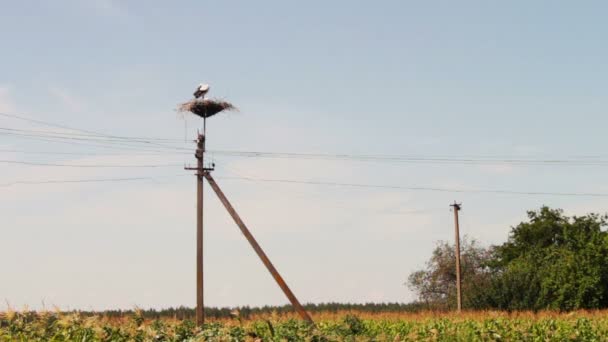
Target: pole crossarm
(273,271)
(204,169)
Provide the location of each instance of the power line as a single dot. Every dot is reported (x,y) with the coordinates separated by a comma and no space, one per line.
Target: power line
(310,182)
(56,125)
(410,159)
(159,153)
(50,124)
(133,143)
(337,204)
(129,138)
(420,188)
(101,180)
(83,137)
(89,166)
(92,180)
(287,155)
(115,146)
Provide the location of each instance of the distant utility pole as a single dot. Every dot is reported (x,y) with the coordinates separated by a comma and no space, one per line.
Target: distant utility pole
(457,207)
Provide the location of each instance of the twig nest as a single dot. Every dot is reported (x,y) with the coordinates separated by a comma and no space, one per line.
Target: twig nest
(206,107)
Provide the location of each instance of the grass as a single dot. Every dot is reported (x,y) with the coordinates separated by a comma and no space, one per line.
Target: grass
(338,326)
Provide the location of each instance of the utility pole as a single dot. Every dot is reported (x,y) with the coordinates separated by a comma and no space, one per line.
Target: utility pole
(205,108)
(200,175)
(457,207)
(200,302)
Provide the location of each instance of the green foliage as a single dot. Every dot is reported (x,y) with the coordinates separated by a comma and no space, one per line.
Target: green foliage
(354,324)
(436,284)
(551,261)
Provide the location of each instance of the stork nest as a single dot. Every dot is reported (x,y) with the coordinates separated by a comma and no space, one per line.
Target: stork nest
(206,107)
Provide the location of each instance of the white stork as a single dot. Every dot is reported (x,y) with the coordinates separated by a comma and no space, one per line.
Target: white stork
(201,90)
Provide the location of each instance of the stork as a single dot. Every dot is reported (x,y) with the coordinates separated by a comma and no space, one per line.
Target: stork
(201,91)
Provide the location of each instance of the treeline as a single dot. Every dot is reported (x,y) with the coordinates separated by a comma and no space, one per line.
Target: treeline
(549,262)
(246,311)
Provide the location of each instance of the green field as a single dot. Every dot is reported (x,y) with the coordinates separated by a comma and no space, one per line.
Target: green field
(343,326)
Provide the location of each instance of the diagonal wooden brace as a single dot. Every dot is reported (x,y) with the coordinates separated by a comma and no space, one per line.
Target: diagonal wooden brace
(273,271)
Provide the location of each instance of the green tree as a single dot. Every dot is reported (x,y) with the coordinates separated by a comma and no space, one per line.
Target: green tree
(551,262)
(435,285)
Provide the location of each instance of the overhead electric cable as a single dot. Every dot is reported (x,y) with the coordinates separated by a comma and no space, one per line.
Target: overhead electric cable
(127,138)
(153,153)
(409,159)
(89,166)
(92,180)
(75,181)
(132,143)
(116,146)
(69,128)
(420,188)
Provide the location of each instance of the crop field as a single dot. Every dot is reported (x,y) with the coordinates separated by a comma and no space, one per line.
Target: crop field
(340,326)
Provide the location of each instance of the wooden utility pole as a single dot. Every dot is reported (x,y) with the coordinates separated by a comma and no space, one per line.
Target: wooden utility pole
(200,302)
(201,170)
(273,271)
(457,207)
(205,108)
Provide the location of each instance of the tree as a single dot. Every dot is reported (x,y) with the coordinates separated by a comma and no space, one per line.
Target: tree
(552,262)
(436,283)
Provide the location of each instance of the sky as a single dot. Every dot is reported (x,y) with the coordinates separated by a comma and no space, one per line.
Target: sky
(427,79)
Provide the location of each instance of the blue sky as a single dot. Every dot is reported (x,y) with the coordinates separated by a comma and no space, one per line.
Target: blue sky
(434,78)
